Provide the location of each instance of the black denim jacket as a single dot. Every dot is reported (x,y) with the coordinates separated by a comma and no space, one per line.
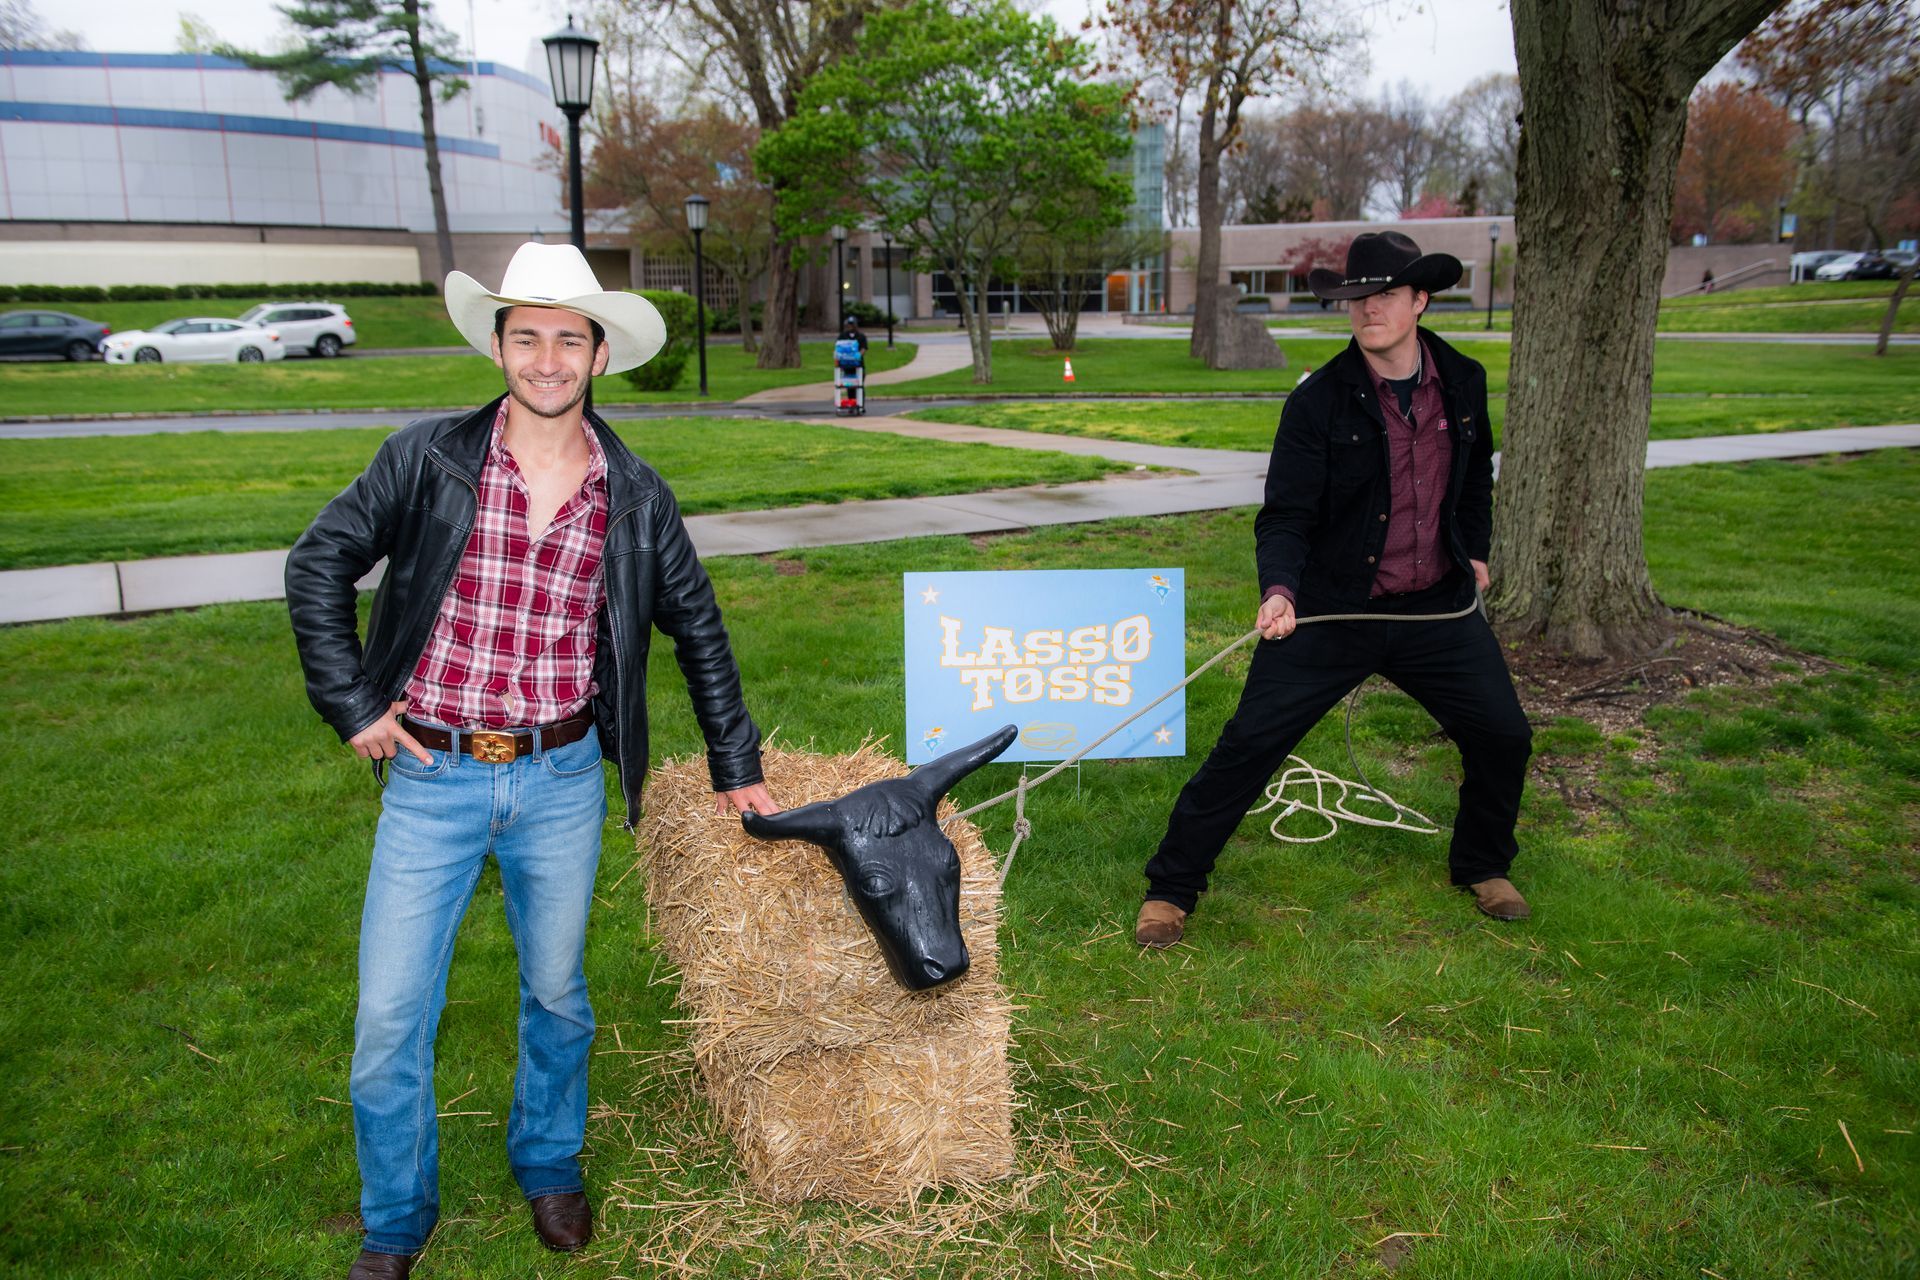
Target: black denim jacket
(1323,526)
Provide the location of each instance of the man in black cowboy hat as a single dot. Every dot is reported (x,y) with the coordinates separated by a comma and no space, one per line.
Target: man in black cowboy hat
(1379,500)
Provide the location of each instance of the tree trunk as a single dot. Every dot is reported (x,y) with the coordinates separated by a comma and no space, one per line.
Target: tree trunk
(979,324)
(1893,309)
(781,348)
(744,308)
(1206,272)
(430,136)
(1064,326)
(1606,84)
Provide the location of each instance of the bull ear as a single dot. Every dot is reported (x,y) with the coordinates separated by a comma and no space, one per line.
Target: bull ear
(937,777)
(811,823)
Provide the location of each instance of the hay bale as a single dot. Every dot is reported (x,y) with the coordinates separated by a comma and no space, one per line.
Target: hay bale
(834,1081)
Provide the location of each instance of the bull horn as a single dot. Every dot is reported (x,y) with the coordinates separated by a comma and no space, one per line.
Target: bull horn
(810,823)
(937,777)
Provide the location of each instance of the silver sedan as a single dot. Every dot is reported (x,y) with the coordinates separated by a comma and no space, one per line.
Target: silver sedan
(201,339)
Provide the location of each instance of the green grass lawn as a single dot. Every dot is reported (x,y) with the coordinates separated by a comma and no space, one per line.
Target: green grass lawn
(1120,365)
(378,321)
(131,497)
(1849,306)
(1647,1079)
(389,383)
(1719,388)
(1810,291)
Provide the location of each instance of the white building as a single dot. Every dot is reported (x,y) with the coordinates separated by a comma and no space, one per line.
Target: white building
(127,168)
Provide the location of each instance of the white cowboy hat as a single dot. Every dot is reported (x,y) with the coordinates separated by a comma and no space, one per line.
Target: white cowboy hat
(557,275)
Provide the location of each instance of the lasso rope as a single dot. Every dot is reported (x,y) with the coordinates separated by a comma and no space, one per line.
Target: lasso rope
(1300,775)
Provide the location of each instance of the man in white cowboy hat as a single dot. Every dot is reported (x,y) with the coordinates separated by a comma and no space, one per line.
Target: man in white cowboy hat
(529,554)
(1379,501)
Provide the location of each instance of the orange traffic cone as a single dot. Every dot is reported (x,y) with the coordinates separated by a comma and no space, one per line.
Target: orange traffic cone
(1068,376)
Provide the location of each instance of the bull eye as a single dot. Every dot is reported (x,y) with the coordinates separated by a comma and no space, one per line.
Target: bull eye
(876,884)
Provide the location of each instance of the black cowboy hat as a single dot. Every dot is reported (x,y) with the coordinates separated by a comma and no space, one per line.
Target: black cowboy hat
(1382,260)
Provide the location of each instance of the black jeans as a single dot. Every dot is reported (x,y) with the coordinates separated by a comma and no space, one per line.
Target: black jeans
(1453,669)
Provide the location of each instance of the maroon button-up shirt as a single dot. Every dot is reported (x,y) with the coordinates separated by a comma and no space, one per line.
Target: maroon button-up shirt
(1420,453)
(1420,449)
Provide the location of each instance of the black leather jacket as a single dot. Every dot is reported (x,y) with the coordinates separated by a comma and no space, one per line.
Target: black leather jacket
(415,504)
(1324,524)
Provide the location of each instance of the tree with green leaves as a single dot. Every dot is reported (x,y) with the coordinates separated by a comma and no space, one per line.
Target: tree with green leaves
(961,134)
(346,43)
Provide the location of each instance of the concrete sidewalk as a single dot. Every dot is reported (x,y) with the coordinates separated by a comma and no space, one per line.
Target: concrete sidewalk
(1215,479)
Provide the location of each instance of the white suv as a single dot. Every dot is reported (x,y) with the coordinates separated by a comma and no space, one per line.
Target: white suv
(318,328)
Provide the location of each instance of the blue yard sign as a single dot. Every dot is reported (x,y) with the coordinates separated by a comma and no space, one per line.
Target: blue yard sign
(1063,654)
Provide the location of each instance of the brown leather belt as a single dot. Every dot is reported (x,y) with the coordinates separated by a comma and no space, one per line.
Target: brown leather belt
(493,746)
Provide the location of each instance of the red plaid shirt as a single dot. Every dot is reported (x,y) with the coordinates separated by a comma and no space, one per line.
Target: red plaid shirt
(1421,449)
(513,644)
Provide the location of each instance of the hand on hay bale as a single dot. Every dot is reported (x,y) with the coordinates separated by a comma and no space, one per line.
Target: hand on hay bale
(898,866)
(833,1081)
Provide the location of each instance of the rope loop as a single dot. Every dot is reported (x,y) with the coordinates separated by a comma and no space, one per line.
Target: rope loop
(1363,792)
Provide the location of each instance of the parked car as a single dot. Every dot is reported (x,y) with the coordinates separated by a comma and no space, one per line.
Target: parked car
(317,328)
(1802,265)
(195,338)
(50,333)
(1857,266)
(1902,259)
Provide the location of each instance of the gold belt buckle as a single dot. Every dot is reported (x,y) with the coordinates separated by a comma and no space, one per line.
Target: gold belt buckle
(491,748)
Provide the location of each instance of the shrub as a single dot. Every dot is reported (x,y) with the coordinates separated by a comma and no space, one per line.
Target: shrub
(728,320)
(869,315)
(662,373)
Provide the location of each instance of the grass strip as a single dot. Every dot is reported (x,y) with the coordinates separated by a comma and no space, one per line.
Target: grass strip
(1699,389)
(1853,306)
(102,498)
(391,382)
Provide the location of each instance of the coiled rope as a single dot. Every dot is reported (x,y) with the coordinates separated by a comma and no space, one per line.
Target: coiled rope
(1300,775)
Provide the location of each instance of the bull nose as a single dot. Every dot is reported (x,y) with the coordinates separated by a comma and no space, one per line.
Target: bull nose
(939,972)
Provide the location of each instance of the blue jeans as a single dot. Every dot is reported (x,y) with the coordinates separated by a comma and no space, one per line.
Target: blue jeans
(541,818)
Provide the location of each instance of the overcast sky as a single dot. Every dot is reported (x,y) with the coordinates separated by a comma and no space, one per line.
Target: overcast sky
(1440,45)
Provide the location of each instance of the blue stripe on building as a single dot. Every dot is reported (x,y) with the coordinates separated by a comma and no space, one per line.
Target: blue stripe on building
(210,62)
(148,118)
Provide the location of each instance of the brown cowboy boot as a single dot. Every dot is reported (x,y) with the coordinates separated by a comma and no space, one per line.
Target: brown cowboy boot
(1498,898)
(1160,924)
(563,1221)
(381,1266)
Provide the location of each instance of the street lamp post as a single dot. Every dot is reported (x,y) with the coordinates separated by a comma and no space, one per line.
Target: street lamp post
(1493,266)
(886,239)
(570,57)
(840,274)
(696,223)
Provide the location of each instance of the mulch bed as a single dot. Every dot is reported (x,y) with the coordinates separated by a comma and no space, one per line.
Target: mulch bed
(1614,696)
(1703,652)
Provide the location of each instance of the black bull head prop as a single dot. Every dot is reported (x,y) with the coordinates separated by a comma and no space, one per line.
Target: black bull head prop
(900,869)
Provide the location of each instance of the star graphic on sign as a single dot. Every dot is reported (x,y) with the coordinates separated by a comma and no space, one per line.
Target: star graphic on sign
(1163,735)
(929,596)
